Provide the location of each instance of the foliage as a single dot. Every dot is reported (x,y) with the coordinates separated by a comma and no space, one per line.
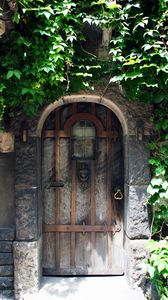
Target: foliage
(44,58)
(38,58)
(158,266)
(140,53)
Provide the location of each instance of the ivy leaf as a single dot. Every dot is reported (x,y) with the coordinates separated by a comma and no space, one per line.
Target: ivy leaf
(147,47)
(162,265)
(17,74)
(47,14)
(16,17)
(132,62)
(9,74)
(116,78)
(2,87)
(151,190)
(160,171)
(133,75)
(113,6)
(156,181)
(27,91)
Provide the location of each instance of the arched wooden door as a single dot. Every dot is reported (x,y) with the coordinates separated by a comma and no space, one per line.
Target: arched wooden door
(82,223)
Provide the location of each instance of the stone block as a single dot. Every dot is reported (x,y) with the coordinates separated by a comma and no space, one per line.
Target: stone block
(6,259)
(135,253)
(26,162)
(6,271)
(5,246)
(7,233)
(137,157)
(26,213)
(27,267)
(6,283)
(7,294)
(137,221)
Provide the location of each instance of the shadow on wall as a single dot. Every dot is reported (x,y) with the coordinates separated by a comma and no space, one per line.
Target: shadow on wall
(7,211)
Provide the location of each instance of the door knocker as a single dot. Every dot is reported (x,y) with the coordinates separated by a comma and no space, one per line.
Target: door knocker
(83,171)
(118,195)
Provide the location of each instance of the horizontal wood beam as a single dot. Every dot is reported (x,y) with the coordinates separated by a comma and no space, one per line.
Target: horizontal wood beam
(63,134)
(81,228)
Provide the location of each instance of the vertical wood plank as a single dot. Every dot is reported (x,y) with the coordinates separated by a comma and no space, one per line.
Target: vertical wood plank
(108,190)
(93,213)
(57,191)
(73,214)
(73,208)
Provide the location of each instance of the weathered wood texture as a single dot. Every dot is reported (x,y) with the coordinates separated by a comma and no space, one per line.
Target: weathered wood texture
(82,230)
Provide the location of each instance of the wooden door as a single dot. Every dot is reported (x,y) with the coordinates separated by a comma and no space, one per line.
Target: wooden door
(82,230)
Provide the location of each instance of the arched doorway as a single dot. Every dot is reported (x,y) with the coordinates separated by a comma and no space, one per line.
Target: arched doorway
(30,202)
(83,183)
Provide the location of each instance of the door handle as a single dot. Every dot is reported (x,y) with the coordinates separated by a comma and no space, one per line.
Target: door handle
(118,195)
(55,185)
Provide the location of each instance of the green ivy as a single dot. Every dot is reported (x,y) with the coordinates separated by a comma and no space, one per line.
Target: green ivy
(43,58)
(158,266)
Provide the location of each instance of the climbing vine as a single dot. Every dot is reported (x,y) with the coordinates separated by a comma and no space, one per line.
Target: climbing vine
(43,57)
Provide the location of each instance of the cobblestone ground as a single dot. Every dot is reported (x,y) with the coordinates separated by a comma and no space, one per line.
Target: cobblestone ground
(86,288)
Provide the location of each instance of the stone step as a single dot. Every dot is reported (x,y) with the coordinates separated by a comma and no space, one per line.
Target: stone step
(7,294)
(6,271)
(6,259)
(6,283)
(5,246)
(7,233)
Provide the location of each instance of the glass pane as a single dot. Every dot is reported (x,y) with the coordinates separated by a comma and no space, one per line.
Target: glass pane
(77,149)
(77,132)
(83,133)
(83,129)
(89,148)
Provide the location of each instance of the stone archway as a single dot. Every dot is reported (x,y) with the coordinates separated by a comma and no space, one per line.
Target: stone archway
(83,98)
(28,246)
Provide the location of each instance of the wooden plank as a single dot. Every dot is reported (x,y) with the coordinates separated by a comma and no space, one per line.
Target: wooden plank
(79,228)
(63,134)
(93,213)
(92,200)
(73,208)
(57,191)
(73,249)
(108,190)
(73,213)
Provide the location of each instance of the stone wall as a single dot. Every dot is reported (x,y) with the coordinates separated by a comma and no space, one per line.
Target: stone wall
(28,186)
(28,264)
(7,225)
(7,235)
(7,211)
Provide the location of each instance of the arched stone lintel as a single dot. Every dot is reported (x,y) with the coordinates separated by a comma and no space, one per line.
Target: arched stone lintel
(82,98)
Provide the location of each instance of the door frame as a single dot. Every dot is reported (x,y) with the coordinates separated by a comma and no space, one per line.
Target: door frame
(108,228)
